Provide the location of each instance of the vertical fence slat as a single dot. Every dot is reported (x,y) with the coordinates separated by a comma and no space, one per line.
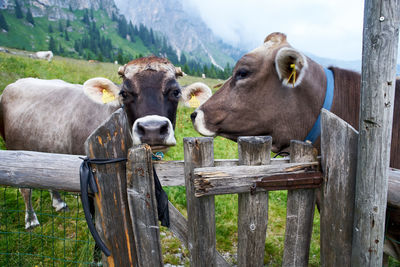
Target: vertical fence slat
(253,209)
(380,46)
(199,152)
(300,212)
(339,143)
(143,206)
(113,222)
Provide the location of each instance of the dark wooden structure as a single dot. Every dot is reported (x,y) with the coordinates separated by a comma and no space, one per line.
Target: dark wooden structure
(126,212)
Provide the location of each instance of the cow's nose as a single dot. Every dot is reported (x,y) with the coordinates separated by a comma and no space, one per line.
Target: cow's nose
(193,116)
(152,132)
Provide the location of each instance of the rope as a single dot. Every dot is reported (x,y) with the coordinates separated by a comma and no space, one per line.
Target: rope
(87,180)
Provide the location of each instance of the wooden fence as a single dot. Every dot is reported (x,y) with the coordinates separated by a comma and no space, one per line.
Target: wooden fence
(126,211)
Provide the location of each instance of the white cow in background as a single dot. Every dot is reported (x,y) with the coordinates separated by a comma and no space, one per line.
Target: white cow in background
(43,55)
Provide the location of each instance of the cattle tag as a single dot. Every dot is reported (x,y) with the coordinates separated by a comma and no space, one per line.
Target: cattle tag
(293,74)
(107,96)
(194,102)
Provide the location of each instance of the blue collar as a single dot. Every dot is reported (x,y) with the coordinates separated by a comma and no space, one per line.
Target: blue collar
(330,88)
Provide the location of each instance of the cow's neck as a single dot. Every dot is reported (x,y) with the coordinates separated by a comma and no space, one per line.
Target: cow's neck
(346,101)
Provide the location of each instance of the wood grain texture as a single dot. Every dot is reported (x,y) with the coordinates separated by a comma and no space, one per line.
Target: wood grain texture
(21,168)
(253,208)
(339,143)
(178,226)
(300,212)
(39,170)
(241,179)
(380,47)
(143,206)
(198,152)
(113,222)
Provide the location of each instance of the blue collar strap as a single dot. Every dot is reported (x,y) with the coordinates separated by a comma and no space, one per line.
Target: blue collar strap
(330,88)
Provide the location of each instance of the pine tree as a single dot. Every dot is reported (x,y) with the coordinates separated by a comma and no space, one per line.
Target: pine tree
(91,14)
(29,17)
(70,8)
(50,29)
(122,27)
(18,11)
(86,17)
(183,59)
(66,35)
(3,22)
(77,46)
(60,49)
(52,44)
(60,26)
(68,23)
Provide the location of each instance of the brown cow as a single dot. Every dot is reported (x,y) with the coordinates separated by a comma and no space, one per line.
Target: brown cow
(57,117)
(276,90)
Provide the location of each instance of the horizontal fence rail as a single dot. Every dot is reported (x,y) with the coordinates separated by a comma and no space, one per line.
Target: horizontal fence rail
(58,171)
(61,172)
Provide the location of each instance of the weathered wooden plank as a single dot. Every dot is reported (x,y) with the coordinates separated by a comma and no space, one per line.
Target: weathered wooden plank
(201,211)
(241,179)
(339,143)
(380,47)
(178,226)
(59,171)
(111,140)
(300,212)
(40,170)
(143,206)
(171,173)
(394,188)
(253,208)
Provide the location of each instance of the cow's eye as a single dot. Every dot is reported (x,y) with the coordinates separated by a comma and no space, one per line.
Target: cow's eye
(242,74)
(123,94)
(176,93)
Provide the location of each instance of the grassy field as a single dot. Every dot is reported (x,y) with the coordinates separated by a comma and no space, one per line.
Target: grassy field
(67,231)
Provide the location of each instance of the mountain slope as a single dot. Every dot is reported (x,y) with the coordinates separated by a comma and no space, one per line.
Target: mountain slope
(184,28)
(68,28)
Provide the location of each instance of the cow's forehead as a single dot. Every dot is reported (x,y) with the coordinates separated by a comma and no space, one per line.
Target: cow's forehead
(271,43)
(153,64)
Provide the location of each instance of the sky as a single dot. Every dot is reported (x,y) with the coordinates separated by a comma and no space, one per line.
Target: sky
(330,29)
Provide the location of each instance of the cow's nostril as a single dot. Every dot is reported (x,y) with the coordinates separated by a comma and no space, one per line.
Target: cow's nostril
(141,129)
(193,116)
(164,129)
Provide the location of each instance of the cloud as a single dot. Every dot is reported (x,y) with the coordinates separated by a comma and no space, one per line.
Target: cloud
(325,28)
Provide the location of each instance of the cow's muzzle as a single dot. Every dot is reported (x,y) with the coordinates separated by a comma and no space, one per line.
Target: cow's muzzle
(199,123)
(154,130)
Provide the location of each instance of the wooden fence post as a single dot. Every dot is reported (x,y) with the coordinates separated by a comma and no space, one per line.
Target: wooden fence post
(199,152)
(143,206)
(253,208)
(300,212)
(113,222)
(380,42)
(339,143)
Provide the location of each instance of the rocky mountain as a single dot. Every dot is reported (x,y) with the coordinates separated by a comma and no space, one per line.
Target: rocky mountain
(55,9)
(184,28)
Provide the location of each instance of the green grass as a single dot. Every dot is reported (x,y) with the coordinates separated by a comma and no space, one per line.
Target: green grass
(61,238)
(22,35)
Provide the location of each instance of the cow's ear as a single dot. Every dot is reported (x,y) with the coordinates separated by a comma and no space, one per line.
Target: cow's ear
(291,66)
(195,94)
(102,91)
(178,72)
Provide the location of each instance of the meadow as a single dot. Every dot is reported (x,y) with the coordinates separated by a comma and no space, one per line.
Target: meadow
(64,228)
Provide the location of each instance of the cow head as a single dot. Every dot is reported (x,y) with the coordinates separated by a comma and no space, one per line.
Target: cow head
(150,95)
(274,90)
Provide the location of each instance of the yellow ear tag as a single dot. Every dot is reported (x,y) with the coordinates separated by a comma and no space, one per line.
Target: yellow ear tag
(194,102)
(293,74)
(107,97)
